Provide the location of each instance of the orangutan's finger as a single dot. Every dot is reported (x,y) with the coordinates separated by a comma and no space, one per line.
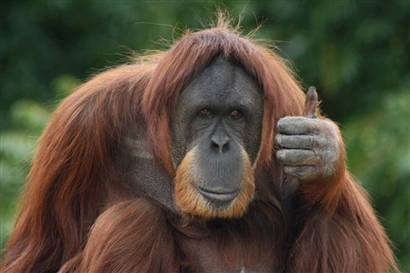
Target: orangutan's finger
(311,103)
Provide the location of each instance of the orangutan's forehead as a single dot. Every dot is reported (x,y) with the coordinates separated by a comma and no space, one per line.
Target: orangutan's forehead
(222,82)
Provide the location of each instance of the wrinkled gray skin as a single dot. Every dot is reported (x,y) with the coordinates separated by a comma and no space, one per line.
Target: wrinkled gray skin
(221,88)
(309,148)
(219,115)
(147,178)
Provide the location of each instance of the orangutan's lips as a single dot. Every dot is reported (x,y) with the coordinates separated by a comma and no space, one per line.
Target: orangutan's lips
(215,195)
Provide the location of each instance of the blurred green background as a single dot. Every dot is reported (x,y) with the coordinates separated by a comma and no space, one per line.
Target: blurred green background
(355,52)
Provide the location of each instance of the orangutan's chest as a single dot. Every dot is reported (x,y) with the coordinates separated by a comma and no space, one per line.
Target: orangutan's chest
(207,257)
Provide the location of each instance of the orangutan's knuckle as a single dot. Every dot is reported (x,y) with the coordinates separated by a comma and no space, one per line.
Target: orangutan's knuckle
(285,121)
(320,141)
(281,154)
(279,139)
(302,172)
(287,169)
(313,141)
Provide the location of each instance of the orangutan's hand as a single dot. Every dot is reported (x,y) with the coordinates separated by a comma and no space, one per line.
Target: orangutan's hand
(309,148)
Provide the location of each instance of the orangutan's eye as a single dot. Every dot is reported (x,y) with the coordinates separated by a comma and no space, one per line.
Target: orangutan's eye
(236,114)
(204,113)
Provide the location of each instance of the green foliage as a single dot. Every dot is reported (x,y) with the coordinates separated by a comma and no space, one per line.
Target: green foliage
(379,154)
(17,146)
(355,52)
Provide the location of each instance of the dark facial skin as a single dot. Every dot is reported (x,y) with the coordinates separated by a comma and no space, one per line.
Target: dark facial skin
(218,115)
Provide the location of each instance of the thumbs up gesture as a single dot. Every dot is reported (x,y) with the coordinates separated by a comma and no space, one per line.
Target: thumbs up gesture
(309,146)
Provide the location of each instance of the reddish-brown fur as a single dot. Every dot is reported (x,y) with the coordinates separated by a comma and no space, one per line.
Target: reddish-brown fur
(74,178)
